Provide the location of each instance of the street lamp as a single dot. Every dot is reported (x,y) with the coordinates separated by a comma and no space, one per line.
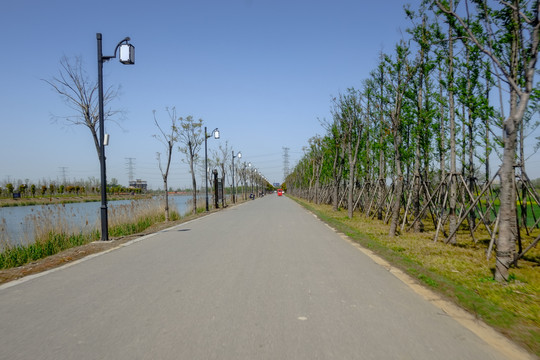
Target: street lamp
(215,133)
(239,155)
(127,57)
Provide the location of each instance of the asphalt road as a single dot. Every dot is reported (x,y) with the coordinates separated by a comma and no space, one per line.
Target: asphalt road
(263,280)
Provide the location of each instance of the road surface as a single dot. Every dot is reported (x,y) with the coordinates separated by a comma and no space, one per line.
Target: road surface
(262,280)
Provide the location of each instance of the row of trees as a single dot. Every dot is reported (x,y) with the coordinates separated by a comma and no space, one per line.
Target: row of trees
(33,190)
(417,137)
(24,190)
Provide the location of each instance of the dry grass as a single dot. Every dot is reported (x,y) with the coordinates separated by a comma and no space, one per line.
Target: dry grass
(460,272)
(138,215)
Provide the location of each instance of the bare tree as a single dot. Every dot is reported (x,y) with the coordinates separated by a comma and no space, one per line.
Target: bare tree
(221,157)
(81,95)
(167,139)
(191,136)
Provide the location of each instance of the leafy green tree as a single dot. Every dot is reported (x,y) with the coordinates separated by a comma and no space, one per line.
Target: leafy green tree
(400,72)
(380,130)
(22,189)
(348,115)
(316,154)
(334,145)
(421,109)
(511,42)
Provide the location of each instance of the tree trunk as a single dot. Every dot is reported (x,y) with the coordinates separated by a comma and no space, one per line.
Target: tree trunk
(506,241)
(166,199)
(350,200)
(382,177)
(335,196)
(398,184)
(453,168)
(418,226)
(317,184)
(442,133)
(486,135)
(194,184)
(382,181)
(352,177)
(337,178)
(193,179)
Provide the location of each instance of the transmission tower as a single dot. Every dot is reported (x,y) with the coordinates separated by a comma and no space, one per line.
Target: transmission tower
(285,162)
(130,165)
(63,170)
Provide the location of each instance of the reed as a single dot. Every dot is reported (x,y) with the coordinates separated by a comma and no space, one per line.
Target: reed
(50,231)
(201,206)
(138,215)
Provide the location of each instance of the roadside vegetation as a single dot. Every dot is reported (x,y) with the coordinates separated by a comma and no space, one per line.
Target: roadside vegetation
(461,273)
(54,233)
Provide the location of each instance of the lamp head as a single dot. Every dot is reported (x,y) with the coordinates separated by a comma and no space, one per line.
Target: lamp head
(239,155)
(216,133)
(127,54)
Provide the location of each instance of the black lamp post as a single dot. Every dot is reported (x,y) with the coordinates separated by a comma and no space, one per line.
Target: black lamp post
(127,57)
(239,155)
(215,133)
(256,182)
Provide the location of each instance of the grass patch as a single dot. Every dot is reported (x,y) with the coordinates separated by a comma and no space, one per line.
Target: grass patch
(428,281)
(460,273)
(14,256)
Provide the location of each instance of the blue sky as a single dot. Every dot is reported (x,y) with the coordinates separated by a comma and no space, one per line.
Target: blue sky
(263,72)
